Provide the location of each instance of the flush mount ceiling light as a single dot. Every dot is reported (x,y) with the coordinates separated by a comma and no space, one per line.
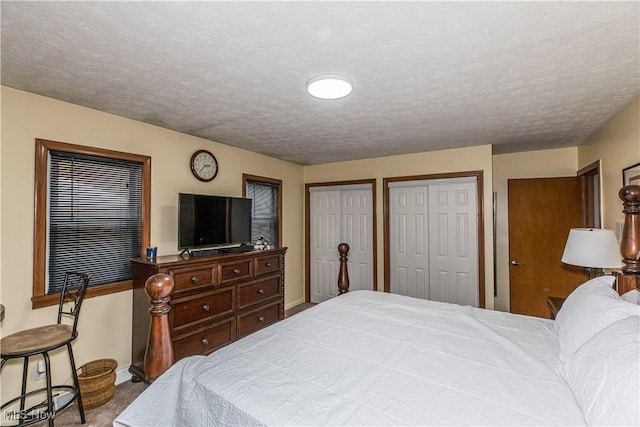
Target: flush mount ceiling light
(329,86)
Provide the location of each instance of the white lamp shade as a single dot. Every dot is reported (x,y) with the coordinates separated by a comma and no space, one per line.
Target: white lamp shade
(592,247)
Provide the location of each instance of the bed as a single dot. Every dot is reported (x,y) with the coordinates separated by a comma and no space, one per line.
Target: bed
(373,358)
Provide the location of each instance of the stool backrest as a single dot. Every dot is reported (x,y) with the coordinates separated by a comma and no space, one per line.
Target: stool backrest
(73,290)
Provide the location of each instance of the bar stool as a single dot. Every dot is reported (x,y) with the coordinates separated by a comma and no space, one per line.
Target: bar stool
(42,340)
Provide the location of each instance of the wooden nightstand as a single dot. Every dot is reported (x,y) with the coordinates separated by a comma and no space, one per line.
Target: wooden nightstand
(556,304)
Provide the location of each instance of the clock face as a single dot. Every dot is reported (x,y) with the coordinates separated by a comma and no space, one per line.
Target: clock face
(204,165)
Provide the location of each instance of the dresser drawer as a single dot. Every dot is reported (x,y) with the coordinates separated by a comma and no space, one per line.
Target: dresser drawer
(267,264)
(234,270)
(258,291)
(185,279)
(209,305)
(204,340)
(258,319)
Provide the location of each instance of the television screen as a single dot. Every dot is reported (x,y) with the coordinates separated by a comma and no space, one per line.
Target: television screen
(205,221)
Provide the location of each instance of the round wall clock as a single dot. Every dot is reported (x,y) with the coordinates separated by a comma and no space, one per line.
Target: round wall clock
(204,165)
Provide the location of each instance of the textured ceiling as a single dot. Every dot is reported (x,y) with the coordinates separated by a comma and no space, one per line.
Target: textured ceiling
(427,75)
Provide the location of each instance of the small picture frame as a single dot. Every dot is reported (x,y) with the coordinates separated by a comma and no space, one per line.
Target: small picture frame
(631,175)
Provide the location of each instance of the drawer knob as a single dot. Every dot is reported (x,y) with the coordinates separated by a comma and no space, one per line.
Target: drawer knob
(194,279)
(261,291)
(205,341)
(236,271)
(205,307)
(268,264)
(261,318)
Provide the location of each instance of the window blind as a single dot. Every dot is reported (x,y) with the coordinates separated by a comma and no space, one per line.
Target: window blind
(94,217)
(264,217)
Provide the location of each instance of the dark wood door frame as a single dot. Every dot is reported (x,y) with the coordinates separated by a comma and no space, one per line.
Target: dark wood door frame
(589,200)
(480,222)
(307,230)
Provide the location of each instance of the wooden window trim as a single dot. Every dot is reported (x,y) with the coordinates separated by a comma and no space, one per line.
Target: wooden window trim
(255,178)
(40,298)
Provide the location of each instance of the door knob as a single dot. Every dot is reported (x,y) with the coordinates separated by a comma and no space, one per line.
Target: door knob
(515,262)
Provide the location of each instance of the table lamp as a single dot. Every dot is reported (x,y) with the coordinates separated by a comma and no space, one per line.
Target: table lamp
(592,248)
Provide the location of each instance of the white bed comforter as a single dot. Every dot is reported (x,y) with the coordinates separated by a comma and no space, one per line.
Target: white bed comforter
(370,358)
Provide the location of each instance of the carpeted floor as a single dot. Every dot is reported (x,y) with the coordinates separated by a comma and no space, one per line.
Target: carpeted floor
(124,395)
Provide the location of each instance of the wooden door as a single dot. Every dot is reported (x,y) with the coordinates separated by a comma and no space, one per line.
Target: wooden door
(541,212)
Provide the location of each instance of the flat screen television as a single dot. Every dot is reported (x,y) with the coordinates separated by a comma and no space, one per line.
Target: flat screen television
(209,221)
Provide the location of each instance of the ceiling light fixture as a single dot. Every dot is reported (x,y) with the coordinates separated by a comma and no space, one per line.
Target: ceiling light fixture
(329,86)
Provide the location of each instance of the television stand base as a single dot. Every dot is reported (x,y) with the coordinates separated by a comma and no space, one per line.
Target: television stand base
(210,252)
(204,253)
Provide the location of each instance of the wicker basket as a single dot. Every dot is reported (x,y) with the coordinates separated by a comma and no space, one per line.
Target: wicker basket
(97,382)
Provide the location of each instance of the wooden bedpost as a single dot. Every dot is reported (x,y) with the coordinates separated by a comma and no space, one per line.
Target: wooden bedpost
(630,242)
(158,356)
(343,277)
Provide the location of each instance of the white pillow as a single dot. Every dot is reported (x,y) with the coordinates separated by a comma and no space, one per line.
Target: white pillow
(632,296)
(591,307)
(604,375)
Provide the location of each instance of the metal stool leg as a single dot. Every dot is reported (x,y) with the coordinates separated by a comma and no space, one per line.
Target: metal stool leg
(25,375)
(76,383)
(47,373)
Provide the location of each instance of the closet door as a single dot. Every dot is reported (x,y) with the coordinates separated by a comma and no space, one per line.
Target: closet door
(453,243)
(433,240)
(325,233)
(409,254)
(340,214)
(357,229)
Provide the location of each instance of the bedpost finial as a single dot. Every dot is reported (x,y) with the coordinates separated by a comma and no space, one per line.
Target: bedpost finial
(630,196)
(343,248)
(158,287)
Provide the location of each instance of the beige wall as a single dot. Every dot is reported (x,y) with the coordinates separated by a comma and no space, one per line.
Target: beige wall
(531,164)
(433,162)
(617,143)
(105,324)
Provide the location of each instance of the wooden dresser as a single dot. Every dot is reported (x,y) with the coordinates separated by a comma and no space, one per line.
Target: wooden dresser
(215,300)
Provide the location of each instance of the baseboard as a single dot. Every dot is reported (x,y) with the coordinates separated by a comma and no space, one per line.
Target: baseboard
(293,304)
(123,375)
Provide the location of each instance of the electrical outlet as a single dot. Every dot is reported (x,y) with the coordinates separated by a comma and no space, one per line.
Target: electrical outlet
(38,371)
(59,400)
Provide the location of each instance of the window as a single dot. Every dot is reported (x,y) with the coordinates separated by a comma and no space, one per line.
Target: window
(266,194)
(92,209)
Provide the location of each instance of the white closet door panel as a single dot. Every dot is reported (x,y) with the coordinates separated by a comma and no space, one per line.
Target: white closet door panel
(325,224)
(409,252)
(340,215)
(453,244)
(357,228)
